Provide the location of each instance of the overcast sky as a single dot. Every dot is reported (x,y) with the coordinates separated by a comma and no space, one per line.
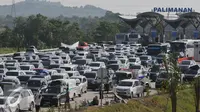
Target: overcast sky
(126,6)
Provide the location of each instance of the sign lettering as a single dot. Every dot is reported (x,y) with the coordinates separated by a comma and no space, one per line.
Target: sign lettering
(171,9)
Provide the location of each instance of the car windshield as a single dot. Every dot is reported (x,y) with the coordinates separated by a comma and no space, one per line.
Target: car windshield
(66,68)
(123,61)
(76,78)
(114,67)
(12,74)
(1,71)
(55,90)
(112,62)
(123,83)
(90,75)
(38,76)
(78,57)
(34,83)
(23,78)
(194,72)
(80,62)
(134,66)
(132,60)
(54,66)
(1,66)
(95,64)
(70,74)
(121,75)
(163,75)
(24,67)
(2,101)
(30,73)
(55,58)
(185,62)
(143,58)
(55,83)
(54,77)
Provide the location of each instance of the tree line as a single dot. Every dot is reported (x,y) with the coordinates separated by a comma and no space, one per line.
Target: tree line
(44,32)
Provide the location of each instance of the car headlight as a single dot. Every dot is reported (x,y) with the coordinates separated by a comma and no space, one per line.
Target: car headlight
(128,90)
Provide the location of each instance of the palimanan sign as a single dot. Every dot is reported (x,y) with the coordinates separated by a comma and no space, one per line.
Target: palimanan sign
(172,9)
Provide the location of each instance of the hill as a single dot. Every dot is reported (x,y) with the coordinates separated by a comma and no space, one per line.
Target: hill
(51,9)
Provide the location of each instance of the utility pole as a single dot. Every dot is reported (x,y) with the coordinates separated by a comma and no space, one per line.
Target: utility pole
(13,9)
(101,87)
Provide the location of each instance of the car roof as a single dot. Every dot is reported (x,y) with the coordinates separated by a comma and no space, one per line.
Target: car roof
(130,80)
(71,71)
(36,79)
(121,71)
(81,76)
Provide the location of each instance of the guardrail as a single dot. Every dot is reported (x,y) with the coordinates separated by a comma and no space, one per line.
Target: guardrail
(43,50)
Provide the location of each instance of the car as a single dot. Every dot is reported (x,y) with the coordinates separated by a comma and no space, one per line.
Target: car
(185,64)
(57,59)
(97,65)
(83,83)
(24,79)
(4,104)
(130,88)
(53,94)
(146,60)
(138,70)
(15,80)
(27,67)
(59,76)
(92,80)
(124,62)
(15,73)
(163,76)
(69,67)
(23,99)
(73,73)
(37,85)
(134,60)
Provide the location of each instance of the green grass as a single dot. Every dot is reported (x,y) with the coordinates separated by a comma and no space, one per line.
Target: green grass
(9,50)
(158,103)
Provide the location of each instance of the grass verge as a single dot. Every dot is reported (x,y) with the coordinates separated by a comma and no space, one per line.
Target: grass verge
(158,103)
(9,50)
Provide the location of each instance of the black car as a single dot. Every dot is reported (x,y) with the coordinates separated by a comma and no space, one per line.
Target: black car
(162,77)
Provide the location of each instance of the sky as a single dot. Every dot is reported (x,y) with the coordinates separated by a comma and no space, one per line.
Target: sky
(126,6)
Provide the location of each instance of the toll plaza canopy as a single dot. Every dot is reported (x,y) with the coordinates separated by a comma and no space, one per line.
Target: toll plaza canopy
(153,19)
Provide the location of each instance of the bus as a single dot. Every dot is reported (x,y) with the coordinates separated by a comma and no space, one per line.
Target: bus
(155,49)
(121,38)
(184,47)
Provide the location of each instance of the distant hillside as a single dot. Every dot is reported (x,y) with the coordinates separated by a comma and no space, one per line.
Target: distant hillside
(51,9)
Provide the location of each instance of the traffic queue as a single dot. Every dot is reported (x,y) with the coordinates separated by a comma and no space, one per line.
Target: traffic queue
(131,68)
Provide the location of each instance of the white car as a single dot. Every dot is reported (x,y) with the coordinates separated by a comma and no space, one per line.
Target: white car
(134,60)
(125,62)
(27,67)
(19,99)
(97,65)
(138,70)
(83,83)
(130,88)
(73,73)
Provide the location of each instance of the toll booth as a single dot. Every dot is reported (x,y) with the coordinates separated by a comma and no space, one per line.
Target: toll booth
(197,51)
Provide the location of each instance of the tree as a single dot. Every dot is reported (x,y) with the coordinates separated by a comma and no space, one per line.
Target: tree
(171,66)
(106,31)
